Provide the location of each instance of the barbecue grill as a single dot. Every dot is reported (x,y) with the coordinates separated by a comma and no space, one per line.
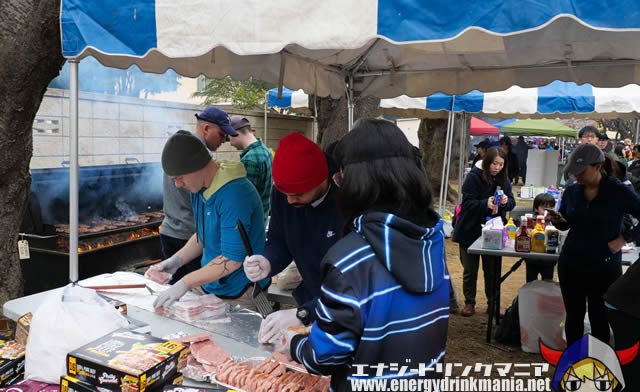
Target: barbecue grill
(120,216)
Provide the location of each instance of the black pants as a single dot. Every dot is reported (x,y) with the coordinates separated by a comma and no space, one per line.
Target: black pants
(170,246)
(535,267)
(471,263)
(626,332)
(579,287)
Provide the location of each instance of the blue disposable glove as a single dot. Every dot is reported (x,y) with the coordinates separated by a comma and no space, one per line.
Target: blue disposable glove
(171,295)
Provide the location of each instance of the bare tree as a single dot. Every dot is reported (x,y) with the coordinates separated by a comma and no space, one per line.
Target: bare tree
(432,136)
(333,116)
(623,128)
(30,57)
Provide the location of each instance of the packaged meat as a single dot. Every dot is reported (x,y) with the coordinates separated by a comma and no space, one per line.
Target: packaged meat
(157,275)
(127,361)
(172,388)
(31,386)
(208,352)
(203,307)
(265,374)
(11,361)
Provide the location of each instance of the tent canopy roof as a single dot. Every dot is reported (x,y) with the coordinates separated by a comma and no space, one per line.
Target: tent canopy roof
(388,47)
(539,127)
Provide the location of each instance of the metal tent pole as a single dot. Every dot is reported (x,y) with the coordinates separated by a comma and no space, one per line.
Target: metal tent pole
(446,179)
(350,105)
(73,170)
(266,102)
(444,163)
(463,156)
(637,131)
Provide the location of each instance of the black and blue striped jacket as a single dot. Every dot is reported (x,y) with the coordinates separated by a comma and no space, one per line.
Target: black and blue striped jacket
(384,300)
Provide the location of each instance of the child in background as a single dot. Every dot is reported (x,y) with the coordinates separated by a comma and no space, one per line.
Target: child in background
(535,267)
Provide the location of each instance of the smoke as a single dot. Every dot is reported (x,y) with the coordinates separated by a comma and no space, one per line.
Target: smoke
(111,192)
(96,78)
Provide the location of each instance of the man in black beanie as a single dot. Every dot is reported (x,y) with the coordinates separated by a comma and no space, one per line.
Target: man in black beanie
(221,195)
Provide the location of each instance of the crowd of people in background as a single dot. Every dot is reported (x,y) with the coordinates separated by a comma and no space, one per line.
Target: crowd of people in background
(600,208)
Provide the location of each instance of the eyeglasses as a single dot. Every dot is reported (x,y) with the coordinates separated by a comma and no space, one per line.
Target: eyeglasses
(337,179)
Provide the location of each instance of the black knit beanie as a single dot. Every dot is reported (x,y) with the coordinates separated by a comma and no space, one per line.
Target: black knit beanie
(184,153)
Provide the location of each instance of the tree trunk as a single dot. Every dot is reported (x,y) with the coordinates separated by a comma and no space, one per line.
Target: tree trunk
(30,57)
(432,135)
(333,119)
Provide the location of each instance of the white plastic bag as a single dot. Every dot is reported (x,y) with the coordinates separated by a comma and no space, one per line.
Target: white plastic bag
(67,319)
(541,312)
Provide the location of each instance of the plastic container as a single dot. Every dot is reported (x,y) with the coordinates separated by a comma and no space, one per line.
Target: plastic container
(511,229)
(497,198)
(523,241)
(538,239)
(531,223)
(552,241)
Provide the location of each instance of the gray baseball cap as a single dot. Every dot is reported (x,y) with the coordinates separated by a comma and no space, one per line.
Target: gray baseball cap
(584,155)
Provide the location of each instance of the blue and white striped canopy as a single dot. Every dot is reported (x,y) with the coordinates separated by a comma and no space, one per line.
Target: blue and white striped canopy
(388,47)
(556,98)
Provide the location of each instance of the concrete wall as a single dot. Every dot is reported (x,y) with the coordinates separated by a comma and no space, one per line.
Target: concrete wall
(117,130)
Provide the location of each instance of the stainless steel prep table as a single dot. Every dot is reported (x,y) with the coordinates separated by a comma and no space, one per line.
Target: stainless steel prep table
(234,336)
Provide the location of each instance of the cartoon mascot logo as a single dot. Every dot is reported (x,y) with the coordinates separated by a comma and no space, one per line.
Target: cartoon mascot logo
(588,365)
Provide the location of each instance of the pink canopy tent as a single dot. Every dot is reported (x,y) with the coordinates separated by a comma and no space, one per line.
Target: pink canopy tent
(481,128)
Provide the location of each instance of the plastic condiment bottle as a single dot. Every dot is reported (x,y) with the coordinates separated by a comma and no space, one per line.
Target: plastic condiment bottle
(540,221)
(523,241)
(530,222)
(552,238)
(511,229)
(538,239)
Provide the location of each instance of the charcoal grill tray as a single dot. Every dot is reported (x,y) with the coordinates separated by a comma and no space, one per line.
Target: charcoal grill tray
(152,223)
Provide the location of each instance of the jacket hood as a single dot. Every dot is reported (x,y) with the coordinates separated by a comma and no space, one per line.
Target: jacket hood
(479,164)
(228,171)
(413,254)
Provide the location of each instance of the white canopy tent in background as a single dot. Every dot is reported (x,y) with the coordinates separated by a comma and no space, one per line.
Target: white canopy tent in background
(284,98)
(383,48)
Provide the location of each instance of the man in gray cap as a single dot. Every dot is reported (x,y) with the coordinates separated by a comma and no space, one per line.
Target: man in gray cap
(220,196)
(256,158)
(213,127)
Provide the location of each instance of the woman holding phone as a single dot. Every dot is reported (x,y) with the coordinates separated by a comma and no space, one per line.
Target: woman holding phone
(591,257)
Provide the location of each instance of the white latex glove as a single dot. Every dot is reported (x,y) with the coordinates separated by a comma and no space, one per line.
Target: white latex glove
(256,267)
(272,326)
(171,295)
(169,265)
(285,347)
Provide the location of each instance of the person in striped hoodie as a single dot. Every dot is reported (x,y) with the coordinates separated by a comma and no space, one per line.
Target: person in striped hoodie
(384,305)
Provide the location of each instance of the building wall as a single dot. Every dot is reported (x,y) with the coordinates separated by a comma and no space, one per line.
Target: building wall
(118,130)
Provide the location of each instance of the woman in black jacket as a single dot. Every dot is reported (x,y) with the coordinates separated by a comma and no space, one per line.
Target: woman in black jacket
(477,205)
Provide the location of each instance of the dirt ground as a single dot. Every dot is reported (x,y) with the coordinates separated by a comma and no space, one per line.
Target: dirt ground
(466,341)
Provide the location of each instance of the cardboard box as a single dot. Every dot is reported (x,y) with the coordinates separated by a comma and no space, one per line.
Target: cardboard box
(494,238)
(119,305)
(22,328)
(71,384)
(127,361)
(11,361)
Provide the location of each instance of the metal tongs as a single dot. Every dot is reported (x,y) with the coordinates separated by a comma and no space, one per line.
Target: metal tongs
(258,296)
